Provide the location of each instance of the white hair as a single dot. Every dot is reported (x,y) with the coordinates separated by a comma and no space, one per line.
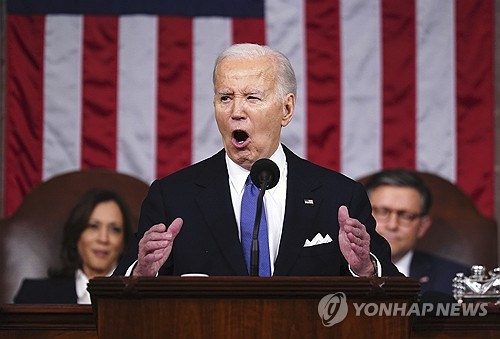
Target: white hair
(287,83)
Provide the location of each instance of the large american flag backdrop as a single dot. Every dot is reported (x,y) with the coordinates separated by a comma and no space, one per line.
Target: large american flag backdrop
(126,85)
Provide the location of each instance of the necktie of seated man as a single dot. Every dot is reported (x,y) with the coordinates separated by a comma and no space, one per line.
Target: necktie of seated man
(247,220)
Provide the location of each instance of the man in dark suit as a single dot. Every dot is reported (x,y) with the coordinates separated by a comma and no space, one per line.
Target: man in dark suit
(435,273)
(401,204)
(319,221)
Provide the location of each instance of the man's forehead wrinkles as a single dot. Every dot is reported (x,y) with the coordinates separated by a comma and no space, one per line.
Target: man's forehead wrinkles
(243,91)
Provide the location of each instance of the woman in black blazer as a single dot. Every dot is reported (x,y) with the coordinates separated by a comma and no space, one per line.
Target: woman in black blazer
(94,238)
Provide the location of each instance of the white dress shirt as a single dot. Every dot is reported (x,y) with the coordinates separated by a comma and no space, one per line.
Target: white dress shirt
(81,282)
(404,263)
(274,199)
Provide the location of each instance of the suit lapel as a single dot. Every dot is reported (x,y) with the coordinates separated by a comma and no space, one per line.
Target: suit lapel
(302,204)
(216,205)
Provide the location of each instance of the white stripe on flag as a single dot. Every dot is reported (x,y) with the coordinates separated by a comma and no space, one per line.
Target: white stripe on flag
(62,94)
(137,96)
(361,131)
(206,136)
(436,106)
(285,31)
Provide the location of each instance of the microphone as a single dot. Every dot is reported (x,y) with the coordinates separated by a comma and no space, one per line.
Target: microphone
(265,174)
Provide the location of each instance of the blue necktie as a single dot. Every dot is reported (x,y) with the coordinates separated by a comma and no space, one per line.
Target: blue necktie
(248,211)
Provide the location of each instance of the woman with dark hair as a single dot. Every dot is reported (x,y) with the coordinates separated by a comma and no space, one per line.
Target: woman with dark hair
(94,238)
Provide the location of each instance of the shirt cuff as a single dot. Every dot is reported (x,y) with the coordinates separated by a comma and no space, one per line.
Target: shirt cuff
(128,273)
(378,267)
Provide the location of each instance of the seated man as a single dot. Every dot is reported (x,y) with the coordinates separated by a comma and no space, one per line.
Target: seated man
(401,204)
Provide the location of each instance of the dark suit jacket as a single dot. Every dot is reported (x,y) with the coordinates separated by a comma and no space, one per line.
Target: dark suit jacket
(47,291)
(435,274)
(209,243)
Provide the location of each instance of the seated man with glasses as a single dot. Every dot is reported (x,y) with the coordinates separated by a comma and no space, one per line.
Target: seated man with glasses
(400,205)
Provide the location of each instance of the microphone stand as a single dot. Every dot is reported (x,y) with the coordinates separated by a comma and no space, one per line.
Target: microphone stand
(264,173)
(254,251)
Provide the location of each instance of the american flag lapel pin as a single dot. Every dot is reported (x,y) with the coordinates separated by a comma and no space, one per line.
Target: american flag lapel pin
(308,201)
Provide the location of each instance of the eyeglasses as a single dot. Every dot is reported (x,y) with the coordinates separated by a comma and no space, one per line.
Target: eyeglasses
(406,217)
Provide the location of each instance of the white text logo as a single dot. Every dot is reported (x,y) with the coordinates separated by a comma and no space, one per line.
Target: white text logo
(332,308)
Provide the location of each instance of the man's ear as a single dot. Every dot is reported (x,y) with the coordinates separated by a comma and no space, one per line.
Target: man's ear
(288,109)
(425,223)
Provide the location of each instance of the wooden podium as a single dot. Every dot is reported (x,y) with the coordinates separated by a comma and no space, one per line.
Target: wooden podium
(244,307)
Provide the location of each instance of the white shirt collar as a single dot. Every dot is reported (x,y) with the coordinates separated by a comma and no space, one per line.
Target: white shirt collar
(238,175)
(403,264)
(81,282)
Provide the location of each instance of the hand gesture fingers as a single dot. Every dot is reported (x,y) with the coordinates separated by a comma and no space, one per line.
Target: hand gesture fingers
(354,242)
(155,247)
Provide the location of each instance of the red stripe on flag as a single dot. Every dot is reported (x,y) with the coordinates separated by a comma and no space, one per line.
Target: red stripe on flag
(252,30)
(475,107)
(100,67)
(398,84)
(175,83)
(24,122)
(323,83)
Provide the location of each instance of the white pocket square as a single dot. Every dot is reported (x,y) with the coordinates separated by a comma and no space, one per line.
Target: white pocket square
(318,240)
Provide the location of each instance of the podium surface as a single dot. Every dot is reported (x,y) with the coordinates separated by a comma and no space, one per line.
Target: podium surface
(246,307)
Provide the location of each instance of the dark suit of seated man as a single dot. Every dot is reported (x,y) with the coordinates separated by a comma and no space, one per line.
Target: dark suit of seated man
(318,221)
(401,204)
(435,273)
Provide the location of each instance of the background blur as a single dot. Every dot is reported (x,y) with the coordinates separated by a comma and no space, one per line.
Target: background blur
(126,85)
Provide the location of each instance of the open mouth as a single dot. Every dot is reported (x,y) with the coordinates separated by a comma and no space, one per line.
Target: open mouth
(240,136)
